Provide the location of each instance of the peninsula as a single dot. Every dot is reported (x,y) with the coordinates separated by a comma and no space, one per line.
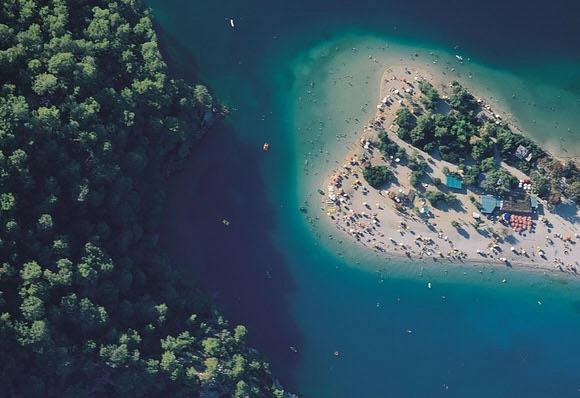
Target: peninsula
(439,176)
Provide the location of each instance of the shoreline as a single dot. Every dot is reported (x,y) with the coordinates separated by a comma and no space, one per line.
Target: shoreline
(367,217)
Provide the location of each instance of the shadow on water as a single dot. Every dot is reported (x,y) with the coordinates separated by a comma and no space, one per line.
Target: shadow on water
(181,63)
(238,265)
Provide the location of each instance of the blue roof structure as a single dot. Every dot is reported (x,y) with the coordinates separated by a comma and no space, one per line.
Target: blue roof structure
(489,203)
(453,182)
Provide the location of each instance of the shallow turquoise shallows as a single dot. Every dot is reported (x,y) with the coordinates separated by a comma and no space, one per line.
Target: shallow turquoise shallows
(336,321)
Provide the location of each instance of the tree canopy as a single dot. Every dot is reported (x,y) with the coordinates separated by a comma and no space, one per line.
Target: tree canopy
(377,176)
(431,95)
(91,124)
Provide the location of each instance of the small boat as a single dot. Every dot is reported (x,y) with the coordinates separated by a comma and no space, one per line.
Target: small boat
(320,191)
(459,57)
(266,146)
(336,353)
(293,349)
(226,222)
(232,22)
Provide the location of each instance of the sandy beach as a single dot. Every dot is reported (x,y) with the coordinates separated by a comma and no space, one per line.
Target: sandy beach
(370,217)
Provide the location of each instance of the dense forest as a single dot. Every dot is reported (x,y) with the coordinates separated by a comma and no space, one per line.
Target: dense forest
(91,125)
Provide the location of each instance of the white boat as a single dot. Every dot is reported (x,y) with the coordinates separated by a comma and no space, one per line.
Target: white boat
(232,22)
(459,57)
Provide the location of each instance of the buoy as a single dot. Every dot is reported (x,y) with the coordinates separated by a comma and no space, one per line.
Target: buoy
(266,146)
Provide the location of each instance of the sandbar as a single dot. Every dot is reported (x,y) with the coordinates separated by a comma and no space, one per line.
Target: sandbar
(369,216)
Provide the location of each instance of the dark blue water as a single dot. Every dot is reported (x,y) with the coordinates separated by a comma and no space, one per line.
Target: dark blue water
(469,337)
(502,32)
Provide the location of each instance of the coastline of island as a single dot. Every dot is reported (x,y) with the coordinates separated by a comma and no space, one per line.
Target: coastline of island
(421,209)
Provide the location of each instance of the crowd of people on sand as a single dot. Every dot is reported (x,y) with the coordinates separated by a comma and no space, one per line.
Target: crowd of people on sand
(373,218)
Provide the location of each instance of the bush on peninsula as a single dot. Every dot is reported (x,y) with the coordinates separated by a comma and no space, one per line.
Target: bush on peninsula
(377,176)
(434,197)
(431,95)
(388,147)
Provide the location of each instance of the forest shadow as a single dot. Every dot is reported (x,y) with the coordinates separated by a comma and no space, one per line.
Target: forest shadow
(181,63)
(235,262)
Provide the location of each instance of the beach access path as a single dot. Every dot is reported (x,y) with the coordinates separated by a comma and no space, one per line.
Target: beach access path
(370,217)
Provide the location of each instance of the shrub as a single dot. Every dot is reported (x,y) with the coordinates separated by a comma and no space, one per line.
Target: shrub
(377,176)
(434,196)
(450,199)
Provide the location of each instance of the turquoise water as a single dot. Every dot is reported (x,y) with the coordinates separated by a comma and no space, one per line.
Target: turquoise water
(279,272)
